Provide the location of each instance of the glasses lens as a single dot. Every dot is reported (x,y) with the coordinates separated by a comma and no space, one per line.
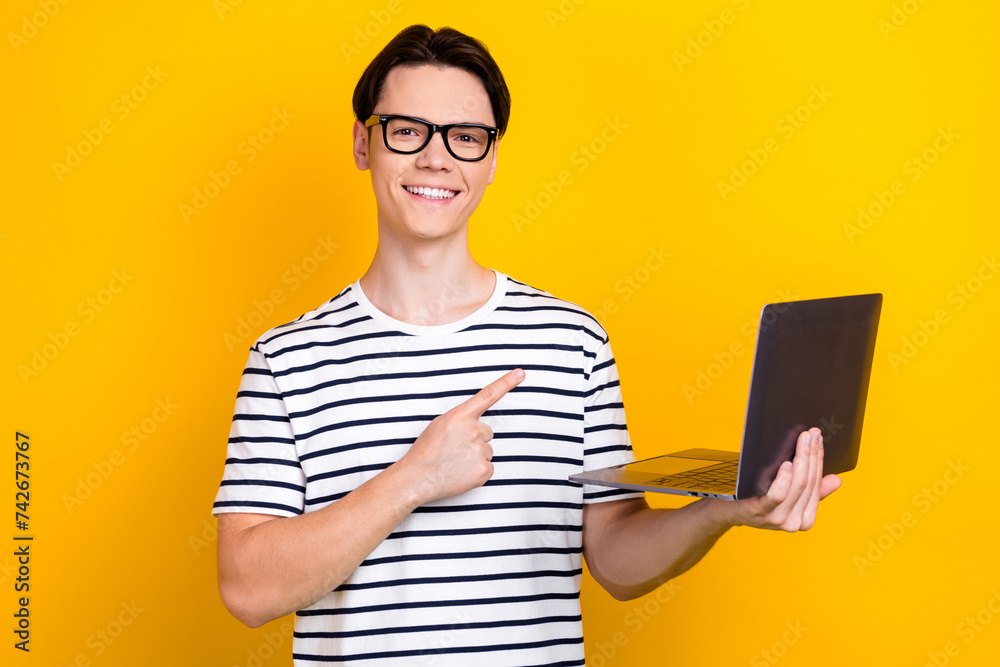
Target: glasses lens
(468,141)
(403,134)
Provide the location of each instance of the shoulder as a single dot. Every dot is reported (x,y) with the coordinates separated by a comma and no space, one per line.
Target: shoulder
(332,316)
(532,302)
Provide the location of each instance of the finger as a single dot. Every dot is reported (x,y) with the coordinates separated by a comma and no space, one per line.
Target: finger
(758,510)
(803,485)
(793,501)
(829,484)
(778,490)
(486,397)
(781,487)
(816,479)
(485,432)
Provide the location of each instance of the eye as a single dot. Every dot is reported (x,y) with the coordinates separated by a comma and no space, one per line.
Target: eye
(468,136)
(404,129)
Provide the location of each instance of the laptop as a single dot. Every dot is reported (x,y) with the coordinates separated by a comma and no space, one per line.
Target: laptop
(812,362)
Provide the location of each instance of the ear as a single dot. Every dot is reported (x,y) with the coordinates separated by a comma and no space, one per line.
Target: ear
(493,167)
(361,146)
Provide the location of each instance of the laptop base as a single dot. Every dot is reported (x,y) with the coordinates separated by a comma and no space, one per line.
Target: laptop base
(676,473)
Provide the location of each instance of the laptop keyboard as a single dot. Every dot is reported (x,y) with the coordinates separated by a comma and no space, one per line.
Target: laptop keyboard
(719,478)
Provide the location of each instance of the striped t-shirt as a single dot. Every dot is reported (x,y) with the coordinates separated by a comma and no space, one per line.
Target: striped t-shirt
(491,576)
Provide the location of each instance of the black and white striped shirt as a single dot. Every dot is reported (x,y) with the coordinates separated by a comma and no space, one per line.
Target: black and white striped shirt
(491,576)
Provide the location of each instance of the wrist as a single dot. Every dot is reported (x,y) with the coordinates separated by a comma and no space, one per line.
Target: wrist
(721,514)
(414,488)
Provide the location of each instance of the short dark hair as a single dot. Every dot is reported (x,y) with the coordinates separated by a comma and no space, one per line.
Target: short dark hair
(419,45)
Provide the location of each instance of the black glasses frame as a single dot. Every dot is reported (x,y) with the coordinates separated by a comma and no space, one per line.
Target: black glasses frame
(383,120)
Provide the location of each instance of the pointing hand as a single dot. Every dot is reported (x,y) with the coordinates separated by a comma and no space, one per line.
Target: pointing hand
(453,453)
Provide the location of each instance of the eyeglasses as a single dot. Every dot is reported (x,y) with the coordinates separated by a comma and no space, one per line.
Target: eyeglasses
(468,142)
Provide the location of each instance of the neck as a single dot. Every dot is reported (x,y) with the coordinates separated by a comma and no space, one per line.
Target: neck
(426,283)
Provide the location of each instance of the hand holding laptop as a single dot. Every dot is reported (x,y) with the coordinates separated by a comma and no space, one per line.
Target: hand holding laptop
(791,502)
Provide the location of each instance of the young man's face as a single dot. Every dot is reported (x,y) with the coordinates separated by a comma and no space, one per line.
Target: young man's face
(441,96)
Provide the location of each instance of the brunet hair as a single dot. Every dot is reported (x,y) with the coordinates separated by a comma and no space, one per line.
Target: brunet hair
(419,45)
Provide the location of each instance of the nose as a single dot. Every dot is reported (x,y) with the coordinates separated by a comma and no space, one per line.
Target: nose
(434,155)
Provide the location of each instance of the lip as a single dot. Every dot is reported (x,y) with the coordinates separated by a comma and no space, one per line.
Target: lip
(432,202)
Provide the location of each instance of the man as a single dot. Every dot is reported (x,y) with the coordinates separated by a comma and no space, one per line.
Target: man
(404,516)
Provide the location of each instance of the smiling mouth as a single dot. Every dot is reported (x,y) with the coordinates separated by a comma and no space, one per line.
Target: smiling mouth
(430,193)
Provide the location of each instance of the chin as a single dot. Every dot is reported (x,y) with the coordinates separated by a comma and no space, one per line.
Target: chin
(430,230)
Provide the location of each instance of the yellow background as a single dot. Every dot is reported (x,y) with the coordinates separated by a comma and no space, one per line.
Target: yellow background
(139,548)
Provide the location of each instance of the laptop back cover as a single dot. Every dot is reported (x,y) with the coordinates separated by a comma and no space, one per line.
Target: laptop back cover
(829,341)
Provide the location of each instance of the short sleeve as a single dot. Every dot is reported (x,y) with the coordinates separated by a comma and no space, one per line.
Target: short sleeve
(605,432)
(262,474)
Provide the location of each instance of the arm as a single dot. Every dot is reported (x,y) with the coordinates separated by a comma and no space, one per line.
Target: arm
(270,566)
(631,549)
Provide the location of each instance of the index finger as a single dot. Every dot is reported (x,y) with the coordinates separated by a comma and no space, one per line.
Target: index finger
(486,397)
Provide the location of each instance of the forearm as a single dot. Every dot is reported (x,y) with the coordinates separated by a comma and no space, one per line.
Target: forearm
(282,565)
(641,548)
(631,549)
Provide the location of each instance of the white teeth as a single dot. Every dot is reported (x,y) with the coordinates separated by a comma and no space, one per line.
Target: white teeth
(431,193)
